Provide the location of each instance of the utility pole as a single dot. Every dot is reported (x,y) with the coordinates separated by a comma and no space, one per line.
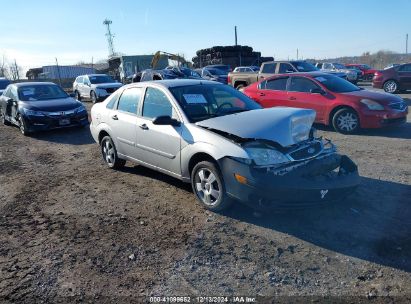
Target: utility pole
(16,70)
(92,63)
(58,71)
(406,44)
(110,37)
(235,33)
(297,54)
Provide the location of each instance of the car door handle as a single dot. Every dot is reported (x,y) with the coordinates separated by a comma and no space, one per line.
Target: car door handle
(114,117)
(292,98)
(143,126)
(262,94)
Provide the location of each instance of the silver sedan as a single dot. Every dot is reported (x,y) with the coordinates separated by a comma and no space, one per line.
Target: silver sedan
(226,145)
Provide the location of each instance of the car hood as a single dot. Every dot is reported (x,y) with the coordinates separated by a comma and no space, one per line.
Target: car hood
(51,105)
(279,124)
(381,97)
(106,85)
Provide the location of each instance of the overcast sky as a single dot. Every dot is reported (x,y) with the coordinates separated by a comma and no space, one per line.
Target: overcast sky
(36,32)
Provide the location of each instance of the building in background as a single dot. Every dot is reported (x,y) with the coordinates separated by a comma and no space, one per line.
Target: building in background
(124,66)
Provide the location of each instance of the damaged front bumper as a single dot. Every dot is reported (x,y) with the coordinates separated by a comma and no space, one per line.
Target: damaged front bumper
(325,178)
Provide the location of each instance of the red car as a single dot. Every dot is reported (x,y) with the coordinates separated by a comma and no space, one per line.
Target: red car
(337,102)
(368,72)
(395,79)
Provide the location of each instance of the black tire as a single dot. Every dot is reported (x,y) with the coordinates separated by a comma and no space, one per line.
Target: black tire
(93,97)
(77,95)
(4,121)
(208,186)
(240,86)
(390,86)
(109,153)
(23,126)
(346,121)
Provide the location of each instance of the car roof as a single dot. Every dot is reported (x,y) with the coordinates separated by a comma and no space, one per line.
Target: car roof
(310,74)
(22,84)
(171,83)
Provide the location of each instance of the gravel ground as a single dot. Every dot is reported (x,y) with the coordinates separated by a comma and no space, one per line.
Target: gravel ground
(72,230)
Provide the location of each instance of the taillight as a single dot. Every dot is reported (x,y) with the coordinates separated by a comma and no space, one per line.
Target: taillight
(228,79)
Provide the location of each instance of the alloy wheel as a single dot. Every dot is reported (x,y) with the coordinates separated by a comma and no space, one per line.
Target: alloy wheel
(347,121)
(390,86)
(108,152)
(207,186)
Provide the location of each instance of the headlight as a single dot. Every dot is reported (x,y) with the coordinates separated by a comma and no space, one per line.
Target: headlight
(32,113)
(265,156)
(80,109)
(372,105)
(301,126)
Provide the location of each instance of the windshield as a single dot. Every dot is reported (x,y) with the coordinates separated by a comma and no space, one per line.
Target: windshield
(201,102)
(336,84)
(4,84)
(101,79)
(303,66)
(216,72)
(40,92)
(339,66)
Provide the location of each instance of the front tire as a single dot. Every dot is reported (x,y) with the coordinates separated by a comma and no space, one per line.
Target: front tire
(23,126)
(4,121)
(390,86)
(93,97)
(109,152)
(346,121)
(208,186)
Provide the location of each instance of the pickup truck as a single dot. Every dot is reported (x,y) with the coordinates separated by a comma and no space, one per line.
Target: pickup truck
(240,80)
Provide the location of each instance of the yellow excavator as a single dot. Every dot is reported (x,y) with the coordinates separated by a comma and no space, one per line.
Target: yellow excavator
(181,61)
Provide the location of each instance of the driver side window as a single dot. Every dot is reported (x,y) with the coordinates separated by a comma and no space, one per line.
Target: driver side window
(301,84)
(156,103)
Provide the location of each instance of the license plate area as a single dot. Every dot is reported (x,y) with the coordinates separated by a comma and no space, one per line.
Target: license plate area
(64,121)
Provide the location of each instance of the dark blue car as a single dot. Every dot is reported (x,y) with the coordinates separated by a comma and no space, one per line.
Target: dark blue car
(214,74)
(38,106)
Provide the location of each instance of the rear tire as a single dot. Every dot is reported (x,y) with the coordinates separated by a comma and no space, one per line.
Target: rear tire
(390,86)
(77,95)
(346,121)
(109,152)
(208,186)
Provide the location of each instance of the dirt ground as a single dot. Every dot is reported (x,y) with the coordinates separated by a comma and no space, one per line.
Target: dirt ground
(71,230)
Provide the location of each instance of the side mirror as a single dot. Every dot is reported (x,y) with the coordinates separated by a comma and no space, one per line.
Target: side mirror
(10,101)
(317,91)
(166,121)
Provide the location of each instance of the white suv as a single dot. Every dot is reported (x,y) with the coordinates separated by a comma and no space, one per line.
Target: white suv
(94,86)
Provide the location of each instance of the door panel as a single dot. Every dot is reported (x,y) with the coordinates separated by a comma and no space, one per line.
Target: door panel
(299,96)
(158,145)
(272,93)
(404,75)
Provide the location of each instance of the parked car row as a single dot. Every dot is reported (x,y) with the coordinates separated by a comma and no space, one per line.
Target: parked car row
(240,80)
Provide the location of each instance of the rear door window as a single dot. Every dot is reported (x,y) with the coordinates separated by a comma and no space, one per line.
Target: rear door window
(285,68)
(130,100)
(278,84)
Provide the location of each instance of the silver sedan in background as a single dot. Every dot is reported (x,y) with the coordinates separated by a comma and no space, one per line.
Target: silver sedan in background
(223,143)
